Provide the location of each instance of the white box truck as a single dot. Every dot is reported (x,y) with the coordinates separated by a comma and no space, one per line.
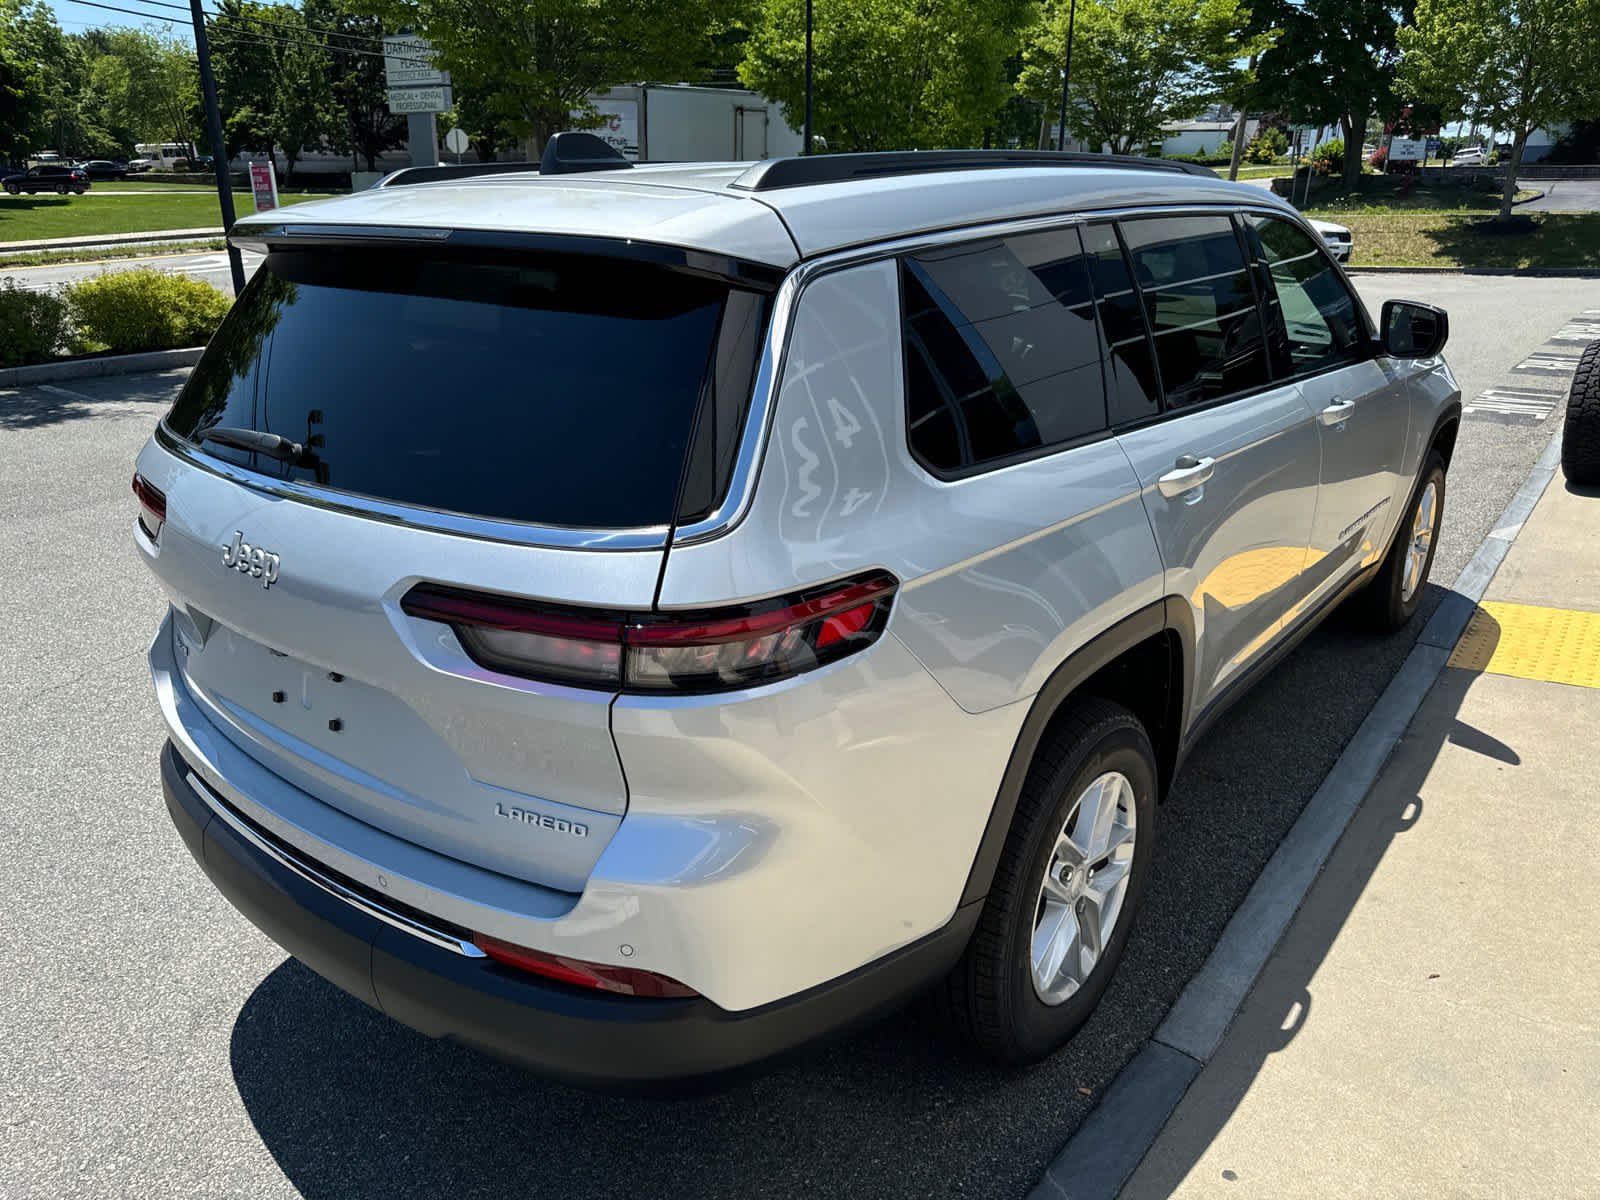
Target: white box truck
(674,122)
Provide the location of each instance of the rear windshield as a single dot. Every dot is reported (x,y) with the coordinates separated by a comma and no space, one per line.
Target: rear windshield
(558,390)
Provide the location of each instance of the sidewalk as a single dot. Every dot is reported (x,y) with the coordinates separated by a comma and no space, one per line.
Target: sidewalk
(110,239)
(1429,1024)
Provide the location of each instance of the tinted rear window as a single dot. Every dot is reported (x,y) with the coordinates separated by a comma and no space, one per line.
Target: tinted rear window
(560,390)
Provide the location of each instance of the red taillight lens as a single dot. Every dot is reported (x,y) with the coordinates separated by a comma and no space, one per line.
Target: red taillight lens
(691,652)
(624,981)
(152,505)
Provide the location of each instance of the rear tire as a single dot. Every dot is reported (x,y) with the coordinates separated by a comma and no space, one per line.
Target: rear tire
(1394,594)
(1046,948)
(1580,435)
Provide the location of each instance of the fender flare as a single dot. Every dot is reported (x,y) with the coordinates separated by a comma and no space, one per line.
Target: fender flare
(1168,615)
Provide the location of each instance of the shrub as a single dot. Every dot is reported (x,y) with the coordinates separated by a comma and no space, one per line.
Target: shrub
(1328,158)
(129,311)
(1379,159)
(1266,146)
(34,326)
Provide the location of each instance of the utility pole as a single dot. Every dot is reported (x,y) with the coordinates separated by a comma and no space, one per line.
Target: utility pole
(219,151)
(1066,75)
(806,137)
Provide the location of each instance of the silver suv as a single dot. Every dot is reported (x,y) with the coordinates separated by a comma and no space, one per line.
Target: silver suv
(637,621)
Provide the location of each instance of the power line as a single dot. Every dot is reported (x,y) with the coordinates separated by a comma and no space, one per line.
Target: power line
(150,16)
(257,38)
(223,16)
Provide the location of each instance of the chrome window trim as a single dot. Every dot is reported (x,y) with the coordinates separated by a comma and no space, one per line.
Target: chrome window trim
(769,373)
(304,870)
(515,533)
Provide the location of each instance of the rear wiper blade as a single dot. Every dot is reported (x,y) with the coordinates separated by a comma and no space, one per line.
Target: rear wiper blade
(271,444)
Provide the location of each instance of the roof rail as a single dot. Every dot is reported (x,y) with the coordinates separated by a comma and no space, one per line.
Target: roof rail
(410,175)
(777,173)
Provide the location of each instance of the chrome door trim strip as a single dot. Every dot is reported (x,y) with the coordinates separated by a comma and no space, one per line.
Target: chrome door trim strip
(219,809)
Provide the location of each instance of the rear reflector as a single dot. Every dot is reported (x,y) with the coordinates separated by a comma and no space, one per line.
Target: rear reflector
(624,981)
(152,505)
(664,652)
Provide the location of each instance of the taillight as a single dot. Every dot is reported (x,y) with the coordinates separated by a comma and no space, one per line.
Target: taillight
(664,652)
(624,981)
(152,505)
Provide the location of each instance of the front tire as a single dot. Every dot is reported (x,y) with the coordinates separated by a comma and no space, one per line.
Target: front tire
(1392,597)
(1065,893)
(61,189)
(1580,435)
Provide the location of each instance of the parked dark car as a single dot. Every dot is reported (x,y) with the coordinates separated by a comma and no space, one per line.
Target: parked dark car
(104,168)
(48,179)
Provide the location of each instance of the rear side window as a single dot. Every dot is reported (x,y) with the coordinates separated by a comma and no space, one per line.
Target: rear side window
(1321,326)
(1202,307)
(1002,350)
(558,390)
(1133,390)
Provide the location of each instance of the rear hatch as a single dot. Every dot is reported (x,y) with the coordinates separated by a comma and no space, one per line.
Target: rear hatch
(495,422)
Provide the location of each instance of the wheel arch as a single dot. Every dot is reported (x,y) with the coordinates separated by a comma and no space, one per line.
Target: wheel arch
(1446,428)
(1154,644)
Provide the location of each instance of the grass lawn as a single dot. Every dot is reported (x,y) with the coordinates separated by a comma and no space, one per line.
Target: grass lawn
(24,218)
(1269,172)
(1446,227)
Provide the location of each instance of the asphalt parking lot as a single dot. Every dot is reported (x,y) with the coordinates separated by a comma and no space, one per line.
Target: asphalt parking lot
(152,1043)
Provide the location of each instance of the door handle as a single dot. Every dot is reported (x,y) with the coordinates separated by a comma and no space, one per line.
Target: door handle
(1337,413)
(1188,474)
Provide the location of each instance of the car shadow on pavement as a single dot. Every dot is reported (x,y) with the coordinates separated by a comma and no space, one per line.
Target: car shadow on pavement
(1281,1003)
(35,406)
(350,1103)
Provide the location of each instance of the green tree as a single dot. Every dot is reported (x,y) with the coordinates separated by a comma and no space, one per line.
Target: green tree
(1514,65)
(22,103)
(359,90)
(889,74)
(1330,61)
(537,61)
(1137,65)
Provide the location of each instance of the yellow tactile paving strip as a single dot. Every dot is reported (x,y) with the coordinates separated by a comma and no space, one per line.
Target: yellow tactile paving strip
(1559,645)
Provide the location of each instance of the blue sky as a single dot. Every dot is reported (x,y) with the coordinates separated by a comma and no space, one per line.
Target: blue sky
(75,18)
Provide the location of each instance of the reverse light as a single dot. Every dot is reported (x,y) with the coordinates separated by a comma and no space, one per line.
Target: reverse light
(623,981)
(711,651)
(152,505)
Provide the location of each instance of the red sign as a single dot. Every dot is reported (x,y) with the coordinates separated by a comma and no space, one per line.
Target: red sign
(264,183)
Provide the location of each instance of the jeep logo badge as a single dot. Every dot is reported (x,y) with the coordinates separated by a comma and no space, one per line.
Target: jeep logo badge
(251,560)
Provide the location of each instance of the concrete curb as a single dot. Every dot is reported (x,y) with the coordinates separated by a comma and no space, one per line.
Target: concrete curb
(1111,1142)
(1537,195)
(111,239)
(1528,272)
(90,368)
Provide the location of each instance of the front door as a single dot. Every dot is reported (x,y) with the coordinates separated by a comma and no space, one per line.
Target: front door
(1229,469)
(1357,396)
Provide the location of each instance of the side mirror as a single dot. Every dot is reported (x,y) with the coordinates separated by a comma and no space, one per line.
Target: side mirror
(1413,330)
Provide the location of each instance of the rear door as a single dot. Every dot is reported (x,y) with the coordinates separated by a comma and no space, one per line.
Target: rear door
(1228,464)
(1320,339)
(472,421)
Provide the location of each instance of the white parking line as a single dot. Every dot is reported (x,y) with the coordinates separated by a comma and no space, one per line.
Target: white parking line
(67,392)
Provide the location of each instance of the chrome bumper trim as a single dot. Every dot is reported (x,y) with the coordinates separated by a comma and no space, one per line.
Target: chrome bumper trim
(219,809)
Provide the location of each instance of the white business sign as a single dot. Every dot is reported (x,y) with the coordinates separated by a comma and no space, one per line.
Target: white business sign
(619,126)
(1407,149)
(408,62)
(420,100)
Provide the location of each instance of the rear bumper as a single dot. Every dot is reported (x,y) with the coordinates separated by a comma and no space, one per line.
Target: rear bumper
(568,1033)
